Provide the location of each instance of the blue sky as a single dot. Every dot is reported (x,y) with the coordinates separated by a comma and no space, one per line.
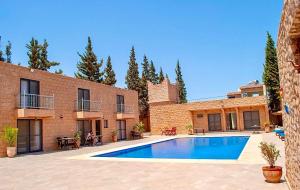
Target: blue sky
(220,43)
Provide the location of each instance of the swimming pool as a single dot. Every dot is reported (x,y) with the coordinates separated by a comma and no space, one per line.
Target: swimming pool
(229,147)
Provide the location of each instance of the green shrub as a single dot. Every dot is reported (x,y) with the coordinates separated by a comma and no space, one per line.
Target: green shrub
(140,127)
(10,135)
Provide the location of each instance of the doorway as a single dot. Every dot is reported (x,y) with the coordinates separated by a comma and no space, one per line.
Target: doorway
(231,121)
(84,126)
(29,136)
(121,128)
(214,122)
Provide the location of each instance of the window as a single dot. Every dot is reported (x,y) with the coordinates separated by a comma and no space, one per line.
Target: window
(214,122)
(251,120)
(29,90)
(83,99)
(120,104)
(106,123)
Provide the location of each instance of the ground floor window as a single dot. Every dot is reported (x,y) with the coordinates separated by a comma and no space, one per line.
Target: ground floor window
(214,122)
(251,120)
(84,126)
(29,136)
(121,128)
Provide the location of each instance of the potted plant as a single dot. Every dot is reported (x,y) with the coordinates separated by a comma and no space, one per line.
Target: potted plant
(114,136)
(10,137)
(267,127)
(77,138)
(270,153)
(189,128)
(140,128)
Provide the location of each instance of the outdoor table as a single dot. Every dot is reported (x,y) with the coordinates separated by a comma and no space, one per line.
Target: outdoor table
(69,141)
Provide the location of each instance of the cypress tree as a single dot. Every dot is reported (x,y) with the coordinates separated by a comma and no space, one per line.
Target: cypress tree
(152,73)
(145,66)
(109,74)
(1,53)
(271,75)
(33,54)
(132,79)
(143,97)
(161,76)
(167,76)
(88,66)
(181,85)
(45,64)
(8,52)
(59,72)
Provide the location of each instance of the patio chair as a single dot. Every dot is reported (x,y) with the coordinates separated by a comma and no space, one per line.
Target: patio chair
(170,131)
(60,143)
(135,134)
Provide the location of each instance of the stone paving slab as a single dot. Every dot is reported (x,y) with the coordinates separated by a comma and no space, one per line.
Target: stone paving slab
(55,171)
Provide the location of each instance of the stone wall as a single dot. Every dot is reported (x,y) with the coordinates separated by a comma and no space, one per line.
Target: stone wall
(288,38)
(179,115)
(64,89)
(164,92)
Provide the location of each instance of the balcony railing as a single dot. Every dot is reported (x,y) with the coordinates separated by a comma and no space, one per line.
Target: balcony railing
(122,108)
(35,101)
(87,106)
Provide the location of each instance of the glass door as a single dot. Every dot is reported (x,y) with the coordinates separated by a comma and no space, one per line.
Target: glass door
(84,126)
(120,104)
(83,99)
(121,127)
(29,136)
(214,122)
(29,91)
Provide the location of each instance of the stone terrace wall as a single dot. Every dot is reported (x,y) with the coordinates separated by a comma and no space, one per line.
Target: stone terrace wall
(290,82)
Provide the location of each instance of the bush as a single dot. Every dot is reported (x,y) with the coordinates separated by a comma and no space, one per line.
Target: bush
(140,127)
(270,153)
(77,135)
(10,135)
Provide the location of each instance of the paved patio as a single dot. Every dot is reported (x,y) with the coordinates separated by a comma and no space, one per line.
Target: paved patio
(56,171)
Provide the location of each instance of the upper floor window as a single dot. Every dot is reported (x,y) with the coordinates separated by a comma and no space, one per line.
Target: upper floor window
(120,104)
(83,99)
(29,93)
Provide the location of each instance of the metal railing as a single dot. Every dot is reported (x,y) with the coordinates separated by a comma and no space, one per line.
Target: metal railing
(36,101)
(122,108)
(87,105)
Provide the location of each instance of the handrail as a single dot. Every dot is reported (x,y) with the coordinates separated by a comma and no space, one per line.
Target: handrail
(88,106)
(35,101)
(122,108)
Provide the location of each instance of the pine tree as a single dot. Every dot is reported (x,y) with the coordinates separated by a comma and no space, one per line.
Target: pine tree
(132,79)
(167,76)
(271,75)
(109,74)
(145,66)
(88,66)
(8,52)
(59,72)
(161,76)
(33,54)
(45,64)
(152,73)
(181,85)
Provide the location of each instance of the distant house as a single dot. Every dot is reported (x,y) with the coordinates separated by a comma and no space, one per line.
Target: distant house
(245,109)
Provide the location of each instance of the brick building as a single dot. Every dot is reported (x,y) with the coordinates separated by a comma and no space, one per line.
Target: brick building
(245,109)
(45,106)
(288,50)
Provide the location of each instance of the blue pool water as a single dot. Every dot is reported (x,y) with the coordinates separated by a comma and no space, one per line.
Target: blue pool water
(187,148)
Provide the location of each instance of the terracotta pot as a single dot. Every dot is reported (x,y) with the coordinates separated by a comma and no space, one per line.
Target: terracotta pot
(272,175)
(142,135)
(11,151)
(114,138)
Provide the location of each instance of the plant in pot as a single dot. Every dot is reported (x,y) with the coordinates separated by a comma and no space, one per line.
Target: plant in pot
(140,128)
(267,127)
(77,138)
(270,153)
(189,128)
(114,136)
(10,137)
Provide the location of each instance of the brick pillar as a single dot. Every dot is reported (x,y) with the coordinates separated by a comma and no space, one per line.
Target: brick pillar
(223,120)
(238,119)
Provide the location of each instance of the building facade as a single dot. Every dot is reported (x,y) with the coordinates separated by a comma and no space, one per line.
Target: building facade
(288,50)
(247,110)
(44,106)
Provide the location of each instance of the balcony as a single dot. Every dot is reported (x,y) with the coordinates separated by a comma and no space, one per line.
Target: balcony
(35,106)
(125,111)
(87,109)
